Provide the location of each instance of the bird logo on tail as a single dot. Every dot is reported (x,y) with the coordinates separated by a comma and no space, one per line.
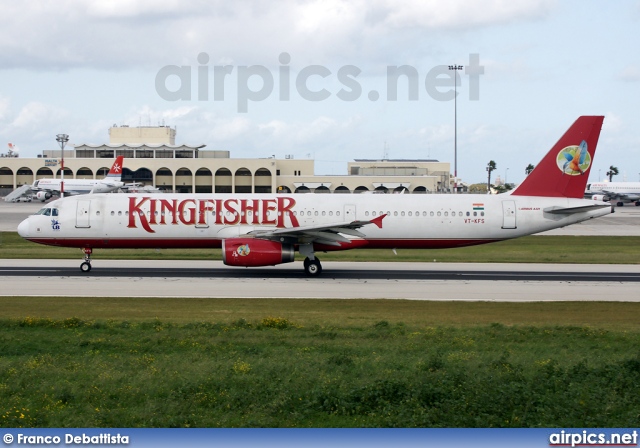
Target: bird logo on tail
(574,160)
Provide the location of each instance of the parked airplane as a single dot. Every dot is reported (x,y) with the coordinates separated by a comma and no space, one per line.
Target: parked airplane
(267,229)
(615,192)
(44,189)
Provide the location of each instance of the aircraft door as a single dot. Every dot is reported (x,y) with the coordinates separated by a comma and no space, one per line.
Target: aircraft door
(349,212)
(508,214)
(82,214)
(202,220)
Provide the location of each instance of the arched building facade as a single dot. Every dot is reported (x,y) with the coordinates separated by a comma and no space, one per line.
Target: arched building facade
(188,169)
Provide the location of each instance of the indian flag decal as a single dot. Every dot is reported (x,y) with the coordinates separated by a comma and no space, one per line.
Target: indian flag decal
(478,206)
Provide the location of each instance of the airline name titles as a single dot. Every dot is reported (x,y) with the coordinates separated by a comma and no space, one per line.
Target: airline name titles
(149,212)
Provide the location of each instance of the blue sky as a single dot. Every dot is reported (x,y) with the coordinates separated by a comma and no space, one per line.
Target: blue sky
(79,67)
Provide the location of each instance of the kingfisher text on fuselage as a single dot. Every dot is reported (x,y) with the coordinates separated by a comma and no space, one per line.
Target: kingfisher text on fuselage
(152,212)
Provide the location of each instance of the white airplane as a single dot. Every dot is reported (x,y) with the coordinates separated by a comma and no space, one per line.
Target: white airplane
(44,189)
(267,229)
(618,192)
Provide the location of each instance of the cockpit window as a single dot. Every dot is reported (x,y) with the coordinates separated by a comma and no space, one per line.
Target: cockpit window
(48,211)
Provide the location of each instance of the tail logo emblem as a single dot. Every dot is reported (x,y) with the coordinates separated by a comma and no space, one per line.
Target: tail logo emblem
(574,160)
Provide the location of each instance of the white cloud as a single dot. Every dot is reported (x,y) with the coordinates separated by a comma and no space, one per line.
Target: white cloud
(274,128)
(5,106)
(34,114)
(116,9)
(612,123)
(118,34)
(460,13)
(631,73)
(35,123)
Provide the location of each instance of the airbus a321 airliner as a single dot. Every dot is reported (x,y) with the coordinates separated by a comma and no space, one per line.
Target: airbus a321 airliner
(267,229)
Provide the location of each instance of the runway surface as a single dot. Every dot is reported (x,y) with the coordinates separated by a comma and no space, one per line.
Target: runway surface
(340,280)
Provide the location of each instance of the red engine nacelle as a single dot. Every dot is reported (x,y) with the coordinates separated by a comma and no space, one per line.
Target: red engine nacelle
(43,195)
(252,252)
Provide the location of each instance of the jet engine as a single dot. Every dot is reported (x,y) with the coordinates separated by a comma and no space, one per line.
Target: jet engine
(252,252)
(599,197)
(43,195)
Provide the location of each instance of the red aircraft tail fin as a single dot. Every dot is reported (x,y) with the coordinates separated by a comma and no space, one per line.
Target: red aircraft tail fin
(564,171)
(116,168)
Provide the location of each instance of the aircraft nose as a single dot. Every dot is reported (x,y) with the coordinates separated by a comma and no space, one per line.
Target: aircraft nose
(23,228)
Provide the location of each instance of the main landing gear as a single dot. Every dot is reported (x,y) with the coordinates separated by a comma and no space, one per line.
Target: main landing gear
(86,264)
(312,268)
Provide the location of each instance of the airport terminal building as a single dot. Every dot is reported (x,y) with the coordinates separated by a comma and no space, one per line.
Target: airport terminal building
(152,158)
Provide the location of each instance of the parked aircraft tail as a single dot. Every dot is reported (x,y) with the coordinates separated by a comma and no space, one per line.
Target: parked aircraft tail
(115,173)
(564,171)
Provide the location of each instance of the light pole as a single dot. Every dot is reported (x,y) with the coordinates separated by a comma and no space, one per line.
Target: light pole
(455,69)
(62,139)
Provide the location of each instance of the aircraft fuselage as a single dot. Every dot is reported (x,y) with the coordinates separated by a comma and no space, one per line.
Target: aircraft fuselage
(204,220)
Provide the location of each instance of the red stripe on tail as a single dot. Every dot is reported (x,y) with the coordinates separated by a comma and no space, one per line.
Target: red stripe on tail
(564,171)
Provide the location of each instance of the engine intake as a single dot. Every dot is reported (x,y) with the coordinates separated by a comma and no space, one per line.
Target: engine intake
(43,195)
(252,252)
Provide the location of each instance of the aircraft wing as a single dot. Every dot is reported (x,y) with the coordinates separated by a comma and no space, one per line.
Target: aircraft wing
(622,195)
(327,234)
(131,187)
(113,184)
(53,192)
(105,187)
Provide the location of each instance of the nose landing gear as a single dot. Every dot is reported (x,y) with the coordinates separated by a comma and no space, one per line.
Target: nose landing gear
(86,264)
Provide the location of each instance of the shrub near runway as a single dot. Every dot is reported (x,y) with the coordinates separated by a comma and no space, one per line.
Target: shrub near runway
(274,372)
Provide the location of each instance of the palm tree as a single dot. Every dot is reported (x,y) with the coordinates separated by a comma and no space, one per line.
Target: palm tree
(613,171)
(528,169)
(490,167)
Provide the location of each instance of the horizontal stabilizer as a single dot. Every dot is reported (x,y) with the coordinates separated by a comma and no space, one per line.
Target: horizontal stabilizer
(555,210)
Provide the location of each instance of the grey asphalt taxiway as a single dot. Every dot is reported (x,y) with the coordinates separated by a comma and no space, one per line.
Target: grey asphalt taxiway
(343,280)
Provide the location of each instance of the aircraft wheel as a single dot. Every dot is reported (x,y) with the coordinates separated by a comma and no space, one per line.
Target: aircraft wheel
(313,268)
(85,267)
(620,204)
